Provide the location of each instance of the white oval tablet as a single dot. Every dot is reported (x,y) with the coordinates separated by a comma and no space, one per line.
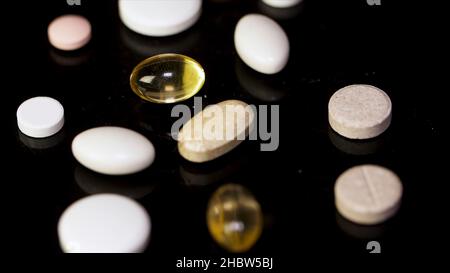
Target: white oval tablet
(40,117)
(159,17)
(368,194)
(104,223)
(261,43)
(113,150)
(281,3)
(359,111)
(215,131)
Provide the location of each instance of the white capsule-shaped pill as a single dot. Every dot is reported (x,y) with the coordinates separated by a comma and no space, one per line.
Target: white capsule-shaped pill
(113,150)
(261,43)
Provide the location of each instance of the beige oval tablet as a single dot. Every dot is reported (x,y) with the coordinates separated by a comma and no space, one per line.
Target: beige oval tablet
(215,131)
(359,111)
(368,194)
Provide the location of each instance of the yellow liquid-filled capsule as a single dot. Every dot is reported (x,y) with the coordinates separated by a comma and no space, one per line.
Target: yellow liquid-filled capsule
(234,218)
(167,78)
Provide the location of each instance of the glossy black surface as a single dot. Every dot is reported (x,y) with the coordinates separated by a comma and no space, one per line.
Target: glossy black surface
(333,44)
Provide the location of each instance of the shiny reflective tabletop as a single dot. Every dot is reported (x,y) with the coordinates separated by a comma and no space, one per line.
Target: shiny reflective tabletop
(333,44)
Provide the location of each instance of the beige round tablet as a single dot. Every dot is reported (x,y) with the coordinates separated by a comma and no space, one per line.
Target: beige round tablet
(359,111)
(368,194)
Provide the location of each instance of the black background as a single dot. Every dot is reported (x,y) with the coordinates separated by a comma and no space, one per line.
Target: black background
(333,44)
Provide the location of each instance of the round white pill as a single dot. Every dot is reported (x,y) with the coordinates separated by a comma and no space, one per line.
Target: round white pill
(261,43)
(40,117)
(281,3)
(159,17)
(104,223)
(368,194)
(113,150)
(359,111)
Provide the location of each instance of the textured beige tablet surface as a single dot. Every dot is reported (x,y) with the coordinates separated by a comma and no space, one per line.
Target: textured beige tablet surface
(368,194)
(215,131)
(359,111)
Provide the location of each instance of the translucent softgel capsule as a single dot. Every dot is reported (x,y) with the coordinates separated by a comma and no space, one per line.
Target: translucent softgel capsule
(234,218)
(167,78)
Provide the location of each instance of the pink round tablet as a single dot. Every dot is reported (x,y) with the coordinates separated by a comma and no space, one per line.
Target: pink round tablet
(69,32)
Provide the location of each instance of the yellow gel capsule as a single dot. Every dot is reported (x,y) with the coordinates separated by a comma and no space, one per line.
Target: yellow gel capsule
(167,78)
(234,218)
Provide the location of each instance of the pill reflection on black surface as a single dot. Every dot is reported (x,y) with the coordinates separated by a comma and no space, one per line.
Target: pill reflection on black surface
(70,58)
(206,174)
(360,231)
(144,46)
(41,143)
(133,186)
(281,13)
(234,218)
(357,147)
(259,86)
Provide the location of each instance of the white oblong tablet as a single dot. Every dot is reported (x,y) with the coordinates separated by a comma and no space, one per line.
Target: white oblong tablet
(69,32)
(113,150)
(281,3)
(368,194)
(261,43)
(215,131)
(104,223)
(359,111)
(159,17)
(40,117)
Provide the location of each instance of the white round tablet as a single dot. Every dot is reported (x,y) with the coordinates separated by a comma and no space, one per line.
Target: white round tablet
(113,150)
(281,3)
(104,223)
(40,117)
(368,194)
(359,111)
(159,17)
(261,43)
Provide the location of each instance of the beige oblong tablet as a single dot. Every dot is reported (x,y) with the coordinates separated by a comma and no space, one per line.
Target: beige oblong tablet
(359,111)
(215,131)
(368,194)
